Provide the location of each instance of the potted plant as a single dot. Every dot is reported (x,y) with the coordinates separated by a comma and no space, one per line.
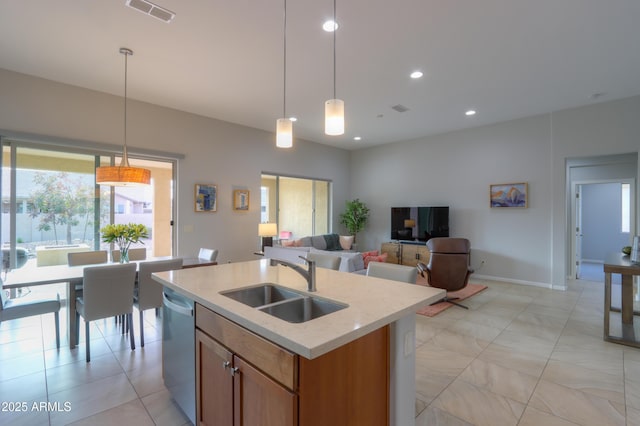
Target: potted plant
(355,217)
(123,236)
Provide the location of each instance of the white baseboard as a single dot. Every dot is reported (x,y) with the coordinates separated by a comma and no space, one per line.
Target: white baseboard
(511,280)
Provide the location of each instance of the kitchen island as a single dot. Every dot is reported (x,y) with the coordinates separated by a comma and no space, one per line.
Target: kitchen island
(374,305)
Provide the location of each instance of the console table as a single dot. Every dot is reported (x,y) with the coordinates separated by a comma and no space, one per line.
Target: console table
(407,253)
(616,263)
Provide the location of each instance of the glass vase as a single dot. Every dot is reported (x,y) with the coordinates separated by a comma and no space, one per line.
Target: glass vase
(124,254)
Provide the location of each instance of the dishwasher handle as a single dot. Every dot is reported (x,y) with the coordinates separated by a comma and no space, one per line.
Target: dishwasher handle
(182,310)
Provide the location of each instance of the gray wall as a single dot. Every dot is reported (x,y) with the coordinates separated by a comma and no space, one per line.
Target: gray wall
(228,155)
(602,221)
(523,245)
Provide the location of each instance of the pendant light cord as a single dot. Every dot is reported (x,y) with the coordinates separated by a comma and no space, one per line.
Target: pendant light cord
(284,66)
(335,29)
(125,156)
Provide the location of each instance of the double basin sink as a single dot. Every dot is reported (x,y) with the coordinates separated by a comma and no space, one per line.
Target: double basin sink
(284,303)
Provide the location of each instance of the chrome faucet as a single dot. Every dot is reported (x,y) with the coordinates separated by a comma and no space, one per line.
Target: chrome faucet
(309,274)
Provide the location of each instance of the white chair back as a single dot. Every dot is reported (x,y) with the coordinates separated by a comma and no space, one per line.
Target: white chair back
(325,260)
(87,257)
(149,290)
(391,271)
(208,254)
(108,290)
(139,253)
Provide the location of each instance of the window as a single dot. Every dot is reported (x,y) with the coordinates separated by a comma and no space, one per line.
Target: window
(626,207)
(298,205)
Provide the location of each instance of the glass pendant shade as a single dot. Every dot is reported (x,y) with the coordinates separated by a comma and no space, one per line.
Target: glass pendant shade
(334,117)
(284,133)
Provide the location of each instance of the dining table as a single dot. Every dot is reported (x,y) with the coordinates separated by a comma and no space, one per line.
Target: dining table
(617,263)
(72,276)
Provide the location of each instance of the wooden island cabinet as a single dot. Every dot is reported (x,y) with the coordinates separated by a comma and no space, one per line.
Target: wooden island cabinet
(244,379)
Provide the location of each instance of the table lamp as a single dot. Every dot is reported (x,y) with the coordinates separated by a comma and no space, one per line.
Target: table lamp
(267,231)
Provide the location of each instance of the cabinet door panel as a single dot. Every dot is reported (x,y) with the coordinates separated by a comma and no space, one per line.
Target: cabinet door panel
(260,400)
(409,254)
(393,252)
(214,383)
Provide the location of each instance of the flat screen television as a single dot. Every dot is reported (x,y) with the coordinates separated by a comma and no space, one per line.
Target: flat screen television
(419,223)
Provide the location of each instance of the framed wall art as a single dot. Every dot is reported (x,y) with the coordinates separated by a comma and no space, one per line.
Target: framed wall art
(509,195)
(241,199)
(206,198)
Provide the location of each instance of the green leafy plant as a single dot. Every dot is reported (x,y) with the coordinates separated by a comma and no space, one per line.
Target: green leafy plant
(355,217)
(123,236)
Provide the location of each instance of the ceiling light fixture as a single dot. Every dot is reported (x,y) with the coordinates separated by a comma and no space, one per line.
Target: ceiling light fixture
(470,113)
(124,174)
(284,126)
(294,119)
(416,74)
(357,138)
(334,108)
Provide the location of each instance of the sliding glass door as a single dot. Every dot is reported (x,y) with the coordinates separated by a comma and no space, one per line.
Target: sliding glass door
(298,205)
(51,204)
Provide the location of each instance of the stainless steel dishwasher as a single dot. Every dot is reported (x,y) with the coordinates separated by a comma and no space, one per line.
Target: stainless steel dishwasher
(178,350)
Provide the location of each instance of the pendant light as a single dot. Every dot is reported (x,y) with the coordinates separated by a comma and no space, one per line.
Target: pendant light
(334,108)
(124,174)
(284,126)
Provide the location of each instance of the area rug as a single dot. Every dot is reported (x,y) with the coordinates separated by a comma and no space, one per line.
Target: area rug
(433,310)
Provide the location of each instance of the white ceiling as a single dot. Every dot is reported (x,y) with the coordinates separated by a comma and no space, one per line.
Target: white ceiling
(223,58)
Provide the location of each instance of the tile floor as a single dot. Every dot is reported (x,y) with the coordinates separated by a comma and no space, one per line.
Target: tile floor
(519,356)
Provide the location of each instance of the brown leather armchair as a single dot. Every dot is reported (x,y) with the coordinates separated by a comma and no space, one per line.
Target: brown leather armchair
(448,266)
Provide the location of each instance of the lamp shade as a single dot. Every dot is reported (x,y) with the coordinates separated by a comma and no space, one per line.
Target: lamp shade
(409,223)
(267,229)
(284,133)
(334,117)
(123,176)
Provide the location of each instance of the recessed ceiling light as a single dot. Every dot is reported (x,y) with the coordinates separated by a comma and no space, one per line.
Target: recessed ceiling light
(294,119)
(416,74)
(330,26)
(470,112)
(357,138)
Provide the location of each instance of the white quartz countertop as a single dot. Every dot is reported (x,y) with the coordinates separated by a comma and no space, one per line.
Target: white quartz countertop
(373,302)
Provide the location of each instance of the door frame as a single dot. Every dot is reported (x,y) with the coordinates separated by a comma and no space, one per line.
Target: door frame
(574,264)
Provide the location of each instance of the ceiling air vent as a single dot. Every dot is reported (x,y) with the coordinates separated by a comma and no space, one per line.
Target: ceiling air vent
(151,9)
(400,108)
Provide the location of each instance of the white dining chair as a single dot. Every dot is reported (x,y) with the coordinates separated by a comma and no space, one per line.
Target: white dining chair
(108,291)
(25,307)
(391,271)
(149,292)
(87,257)
(139,253)
(208,254)
(325,260)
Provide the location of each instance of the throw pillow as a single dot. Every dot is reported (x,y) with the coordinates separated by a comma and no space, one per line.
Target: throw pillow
(304,242)
(318,241)
(346,241)
(369,253)
(379,258)
(333,242)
